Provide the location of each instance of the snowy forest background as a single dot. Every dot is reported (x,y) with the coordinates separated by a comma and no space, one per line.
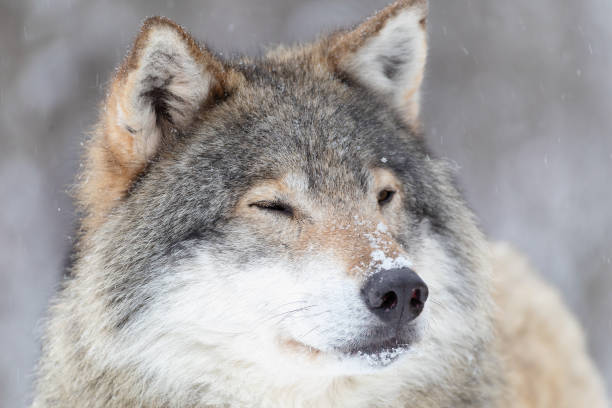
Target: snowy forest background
(518,94)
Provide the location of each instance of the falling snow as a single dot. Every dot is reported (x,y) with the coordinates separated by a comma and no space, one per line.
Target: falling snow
(510,107)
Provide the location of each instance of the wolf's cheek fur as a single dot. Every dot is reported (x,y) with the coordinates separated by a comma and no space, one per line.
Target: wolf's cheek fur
(232,328)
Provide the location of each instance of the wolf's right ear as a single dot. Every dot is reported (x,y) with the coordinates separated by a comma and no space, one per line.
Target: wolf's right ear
(162,86)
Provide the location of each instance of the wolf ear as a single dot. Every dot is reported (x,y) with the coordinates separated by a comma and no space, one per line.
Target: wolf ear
(387,54)
(162,86)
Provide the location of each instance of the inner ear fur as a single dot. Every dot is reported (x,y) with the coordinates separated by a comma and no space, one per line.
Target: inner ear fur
(162,86)
(386,54)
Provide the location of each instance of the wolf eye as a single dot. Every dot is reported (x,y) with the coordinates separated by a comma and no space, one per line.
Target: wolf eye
(274,206)
(385,196)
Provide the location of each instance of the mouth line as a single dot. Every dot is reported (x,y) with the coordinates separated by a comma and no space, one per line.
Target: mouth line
(384,346)
(376,351)
(374,355)
(379,354)
(296,345)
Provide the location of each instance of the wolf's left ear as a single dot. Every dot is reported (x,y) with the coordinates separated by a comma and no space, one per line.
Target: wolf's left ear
(387,54)
(165,83)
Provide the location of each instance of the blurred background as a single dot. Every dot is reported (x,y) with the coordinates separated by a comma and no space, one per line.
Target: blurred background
(518,94)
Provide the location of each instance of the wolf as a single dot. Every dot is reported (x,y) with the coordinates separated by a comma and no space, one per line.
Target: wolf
(274,232)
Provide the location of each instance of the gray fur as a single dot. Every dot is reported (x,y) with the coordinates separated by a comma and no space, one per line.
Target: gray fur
(285,117)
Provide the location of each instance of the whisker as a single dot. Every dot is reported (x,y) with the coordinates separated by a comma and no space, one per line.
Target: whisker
(287,314)
(309,331)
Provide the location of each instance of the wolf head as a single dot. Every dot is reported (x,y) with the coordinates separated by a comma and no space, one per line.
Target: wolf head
(274,231)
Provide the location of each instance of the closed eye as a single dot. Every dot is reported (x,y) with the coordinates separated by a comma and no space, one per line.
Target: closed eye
(274,206)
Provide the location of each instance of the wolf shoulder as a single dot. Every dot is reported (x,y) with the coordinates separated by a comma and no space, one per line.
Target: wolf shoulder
(540,342)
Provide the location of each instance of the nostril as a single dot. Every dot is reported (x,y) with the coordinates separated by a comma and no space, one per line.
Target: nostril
(389,301)
(417,299)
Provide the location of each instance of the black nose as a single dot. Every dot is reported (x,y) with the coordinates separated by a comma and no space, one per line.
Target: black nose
(395,294)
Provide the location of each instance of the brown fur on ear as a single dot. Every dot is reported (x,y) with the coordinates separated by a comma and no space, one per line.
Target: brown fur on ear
(347,43)
(387,54)
(162,86)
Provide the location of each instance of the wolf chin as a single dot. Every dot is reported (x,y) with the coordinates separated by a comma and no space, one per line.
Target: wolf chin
(273,232)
